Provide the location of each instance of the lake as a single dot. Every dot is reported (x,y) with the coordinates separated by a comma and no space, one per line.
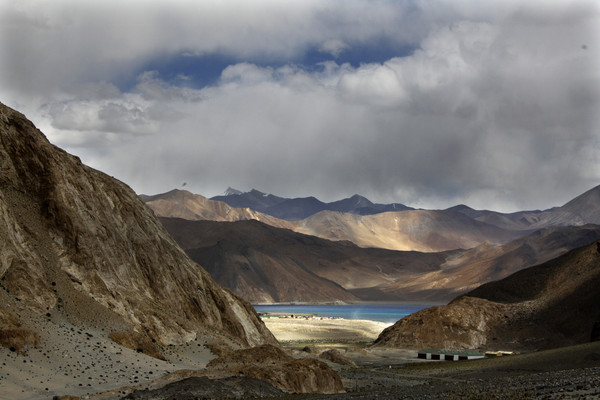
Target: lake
(375,312)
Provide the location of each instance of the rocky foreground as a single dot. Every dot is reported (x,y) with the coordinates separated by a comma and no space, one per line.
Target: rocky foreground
(566,373)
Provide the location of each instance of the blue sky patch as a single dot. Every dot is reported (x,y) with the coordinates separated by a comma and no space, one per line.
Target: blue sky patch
(192,71)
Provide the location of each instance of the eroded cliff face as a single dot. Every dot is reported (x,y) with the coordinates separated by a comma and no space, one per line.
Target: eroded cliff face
(79,242)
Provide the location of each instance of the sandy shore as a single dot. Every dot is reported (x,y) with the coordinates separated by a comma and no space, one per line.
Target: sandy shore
(316,329)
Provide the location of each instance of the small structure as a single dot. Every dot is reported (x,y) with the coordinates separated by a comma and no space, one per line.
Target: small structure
(498,353)
(448,355)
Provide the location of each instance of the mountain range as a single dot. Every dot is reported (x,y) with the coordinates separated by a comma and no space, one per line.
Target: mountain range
(581,210)
(437,254)
(419,230)
(265,264)
(301,208)
(549,305)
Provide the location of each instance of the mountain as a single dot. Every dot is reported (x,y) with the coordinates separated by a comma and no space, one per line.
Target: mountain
(549,305)
(82,257)
(267,264)
(231,191)
(419,230)
(465,270)
(253,200)
(584,209)
(586,206)
(301,208)
(362,206)
(366,224)
(186,205)
(296,209)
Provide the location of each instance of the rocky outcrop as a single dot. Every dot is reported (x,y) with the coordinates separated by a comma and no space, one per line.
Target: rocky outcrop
(273,365)
(77,242)
(13,335)
(335,356)
(550,305)
(201,387)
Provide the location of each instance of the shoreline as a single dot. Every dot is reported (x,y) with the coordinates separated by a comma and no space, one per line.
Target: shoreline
(355,303)
(315,329)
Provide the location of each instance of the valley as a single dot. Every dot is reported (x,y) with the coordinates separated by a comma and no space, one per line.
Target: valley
(110,295)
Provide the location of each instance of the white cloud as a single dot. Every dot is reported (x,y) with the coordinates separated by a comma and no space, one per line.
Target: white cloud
(497,110)
(335,47)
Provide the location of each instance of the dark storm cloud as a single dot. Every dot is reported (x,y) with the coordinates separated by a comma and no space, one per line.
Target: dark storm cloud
(493,109)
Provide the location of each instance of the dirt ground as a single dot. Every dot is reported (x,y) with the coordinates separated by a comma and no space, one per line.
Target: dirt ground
(566,373)
(99,369)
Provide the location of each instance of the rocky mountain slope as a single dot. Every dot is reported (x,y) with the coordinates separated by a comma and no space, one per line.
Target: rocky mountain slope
(186,205)
(85,269)
(463,271)
(70,231)
(267,264)
(584,209)
(418,230)
(550,305)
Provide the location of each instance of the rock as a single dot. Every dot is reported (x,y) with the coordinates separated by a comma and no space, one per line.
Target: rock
(205,388)
(265,354)
(14,336)
(463,325)
(310,350)
(138,342)
(273,365)
(335,356)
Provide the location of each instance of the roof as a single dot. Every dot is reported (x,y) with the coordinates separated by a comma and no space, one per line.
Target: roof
(452,352)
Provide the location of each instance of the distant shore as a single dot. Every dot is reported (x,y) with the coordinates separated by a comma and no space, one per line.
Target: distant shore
(304,328)
(357,303)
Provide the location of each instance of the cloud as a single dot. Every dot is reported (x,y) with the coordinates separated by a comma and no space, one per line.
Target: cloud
(496,110)
(335,47)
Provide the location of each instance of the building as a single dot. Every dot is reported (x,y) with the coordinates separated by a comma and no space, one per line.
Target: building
(449,355)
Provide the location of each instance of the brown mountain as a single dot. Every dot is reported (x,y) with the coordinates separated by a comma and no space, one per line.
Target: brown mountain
(267,264)
(81,247)
(550,305)
(420,230)
(465,270)
(584,209)
(186,205)
(356,220)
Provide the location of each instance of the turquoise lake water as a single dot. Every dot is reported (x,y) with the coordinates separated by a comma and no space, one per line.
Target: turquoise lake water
(375,312)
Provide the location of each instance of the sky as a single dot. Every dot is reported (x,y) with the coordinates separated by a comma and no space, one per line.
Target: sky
(430,103)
